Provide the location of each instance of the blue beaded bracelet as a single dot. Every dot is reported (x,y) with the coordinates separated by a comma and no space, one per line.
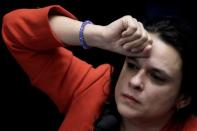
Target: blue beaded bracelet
(81,34)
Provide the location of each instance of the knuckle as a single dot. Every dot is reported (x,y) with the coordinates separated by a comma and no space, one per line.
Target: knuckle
(141,48)
(150,41)
(140,24)
(144,38)
(138,35)
(134,28)
(127,17)
(135,19)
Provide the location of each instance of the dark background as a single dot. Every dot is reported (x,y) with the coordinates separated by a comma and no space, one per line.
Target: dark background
(22,106)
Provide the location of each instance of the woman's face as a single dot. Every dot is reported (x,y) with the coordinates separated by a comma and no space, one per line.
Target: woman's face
(148,88)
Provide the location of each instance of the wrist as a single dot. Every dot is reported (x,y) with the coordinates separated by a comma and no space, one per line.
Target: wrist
(93,35)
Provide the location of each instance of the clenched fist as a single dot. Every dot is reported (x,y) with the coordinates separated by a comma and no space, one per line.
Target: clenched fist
(125,36)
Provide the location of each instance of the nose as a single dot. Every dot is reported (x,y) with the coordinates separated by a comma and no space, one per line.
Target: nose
(136,81)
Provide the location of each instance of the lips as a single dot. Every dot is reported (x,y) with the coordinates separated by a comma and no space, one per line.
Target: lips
(131,98)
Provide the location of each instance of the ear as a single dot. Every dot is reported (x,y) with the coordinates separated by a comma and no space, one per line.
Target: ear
(183,101)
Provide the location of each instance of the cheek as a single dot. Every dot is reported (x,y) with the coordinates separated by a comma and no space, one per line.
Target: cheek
(121,84)
(160,97)
(121,80)
(118,88)
(124,77)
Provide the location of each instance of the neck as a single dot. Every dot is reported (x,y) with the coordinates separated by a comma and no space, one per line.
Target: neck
(143,125)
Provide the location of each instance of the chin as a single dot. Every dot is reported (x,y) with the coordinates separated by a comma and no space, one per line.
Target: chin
(127,112)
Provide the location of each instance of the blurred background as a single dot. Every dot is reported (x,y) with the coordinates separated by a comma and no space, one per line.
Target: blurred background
(25,108)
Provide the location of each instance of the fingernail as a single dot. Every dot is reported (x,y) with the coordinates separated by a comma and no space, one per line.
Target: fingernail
(149,47)
(125,47)
(133,50)
(124,34)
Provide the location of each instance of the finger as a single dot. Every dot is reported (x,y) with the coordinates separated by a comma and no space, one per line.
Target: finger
(143,54)
(139,43)
(147,51)
(122,41)
(130,25)
(150,41)
(126,40)
(141,47)
(130,39)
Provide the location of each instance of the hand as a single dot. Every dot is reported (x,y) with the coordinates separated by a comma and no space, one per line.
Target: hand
(126,36)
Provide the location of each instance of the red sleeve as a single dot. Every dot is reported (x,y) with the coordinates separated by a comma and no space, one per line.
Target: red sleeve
(190,124)
(50,66)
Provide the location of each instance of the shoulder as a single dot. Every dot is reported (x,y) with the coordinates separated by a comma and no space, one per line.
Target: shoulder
(191,124)
(101,74)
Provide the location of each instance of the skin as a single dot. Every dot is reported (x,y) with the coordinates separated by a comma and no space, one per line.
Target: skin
(128,37)
(155,83)
(124,36)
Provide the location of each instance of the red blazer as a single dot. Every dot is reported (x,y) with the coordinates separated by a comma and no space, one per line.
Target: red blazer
(78,89)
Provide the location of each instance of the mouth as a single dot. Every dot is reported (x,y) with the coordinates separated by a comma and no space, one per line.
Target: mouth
(131,98)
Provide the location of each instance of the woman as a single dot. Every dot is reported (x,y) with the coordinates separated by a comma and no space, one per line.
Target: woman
(150,91)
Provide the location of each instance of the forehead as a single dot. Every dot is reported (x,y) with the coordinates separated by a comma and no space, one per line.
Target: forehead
(163,56)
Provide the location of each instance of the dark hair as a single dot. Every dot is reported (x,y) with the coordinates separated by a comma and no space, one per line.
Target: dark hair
(177,33)
(109,119)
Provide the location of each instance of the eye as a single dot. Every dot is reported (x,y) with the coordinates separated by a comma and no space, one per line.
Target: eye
(132,65)
(157,77)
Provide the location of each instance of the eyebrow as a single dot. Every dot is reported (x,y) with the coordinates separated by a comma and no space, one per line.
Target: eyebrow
(133,59)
